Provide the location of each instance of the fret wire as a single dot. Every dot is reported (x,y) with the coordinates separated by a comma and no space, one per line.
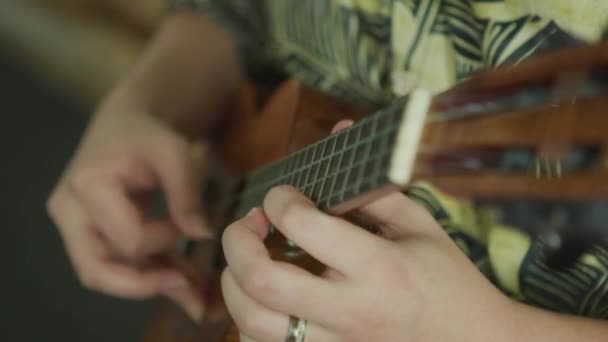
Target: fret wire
(308,156)
(316,176)
(316,154)
(265,186)
(339,156)
(364,150)
(382,119)
(365,128)
(314,171)
(300,159)
(302,183)
(315,166)
(285,166)
(341,139)
(313,181)
(332,145)
(297,179)
(289,174)
(323,143)
(323,178)
(374,129)
(297,171)
(291,178)
(374,126)
(331,156)
(362,165)
(351,163)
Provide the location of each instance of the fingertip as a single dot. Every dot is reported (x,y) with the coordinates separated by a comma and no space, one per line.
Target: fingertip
(257,222)
(195,226)
(280,189)
(342,124)
(279,192)
(189,299)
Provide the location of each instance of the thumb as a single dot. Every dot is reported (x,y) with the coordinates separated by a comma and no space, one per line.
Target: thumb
(398,216)
(180,179)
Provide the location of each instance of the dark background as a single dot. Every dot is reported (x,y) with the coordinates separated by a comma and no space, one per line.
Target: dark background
(40,297)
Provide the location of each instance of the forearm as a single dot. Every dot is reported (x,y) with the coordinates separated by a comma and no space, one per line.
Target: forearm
(186,75)
(531,324)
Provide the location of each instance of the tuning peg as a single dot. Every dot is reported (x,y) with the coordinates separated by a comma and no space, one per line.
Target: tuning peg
(571,231)
(562,249)
(548,167)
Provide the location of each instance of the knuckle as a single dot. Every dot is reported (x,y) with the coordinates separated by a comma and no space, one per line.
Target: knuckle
(228,236)
(362,323)
(88,278)
(256,281)
(53,204)
(176,146)
(377,258)
(133,247)
(293,214)
(386,264)
(252,325)
(81,180)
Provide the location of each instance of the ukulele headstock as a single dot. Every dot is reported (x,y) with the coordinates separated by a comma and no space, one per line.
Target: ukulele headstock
(533,130)
(536,132)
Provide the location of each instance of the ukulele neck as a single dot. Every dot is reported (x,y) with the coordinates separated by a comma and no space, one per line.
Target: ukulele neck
(349,167)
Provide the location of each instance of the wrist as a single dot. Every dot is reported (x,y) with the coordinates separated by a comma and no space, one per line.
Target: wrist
(186,76)
(495,321)
(526,323)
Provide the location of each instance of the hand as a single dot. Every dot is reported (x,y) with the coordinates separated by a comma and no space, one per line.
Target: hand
(410,283)
(98,208)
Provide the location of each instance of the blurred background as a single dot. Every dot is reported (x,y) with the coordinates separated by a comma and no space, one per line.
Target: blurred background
(57,57)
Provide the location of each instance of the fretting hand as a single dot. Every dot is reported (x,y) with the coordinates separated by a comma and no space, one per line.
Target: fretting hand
(412,283)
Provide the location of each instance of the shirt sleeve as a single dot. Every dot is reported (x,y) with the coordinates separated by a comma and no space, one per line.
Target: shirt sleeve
(245,20)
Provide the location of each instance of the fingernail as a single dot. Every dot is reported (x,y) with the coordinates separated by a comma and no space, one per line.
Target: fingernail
(251,212)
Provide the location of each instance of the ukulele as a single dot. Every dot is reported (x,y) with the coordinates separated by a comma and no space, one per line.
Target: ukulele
(515,132)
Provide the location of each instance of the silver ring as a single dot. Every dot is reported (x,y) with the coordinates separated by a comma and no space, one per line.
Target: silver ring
(296,330)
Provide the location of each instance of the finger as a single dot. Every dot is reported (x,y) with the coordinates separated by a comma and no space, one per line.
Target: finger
(342,124)
(280,286)
(188,298)
(202,298)
(257,322)
(398,216)
(252,319)
(319,234)
(90,256)
(177,173)
(129,282)
(121,222)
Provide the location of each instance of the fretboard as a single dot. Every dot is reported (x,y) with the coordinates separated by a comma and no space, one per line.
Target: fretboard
(346,164)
